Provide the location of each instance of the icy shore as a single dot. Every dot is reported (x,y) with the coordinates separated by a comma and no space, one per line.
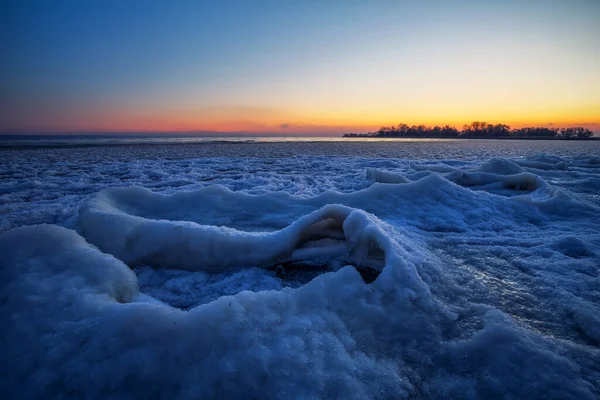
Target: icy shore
(486,284)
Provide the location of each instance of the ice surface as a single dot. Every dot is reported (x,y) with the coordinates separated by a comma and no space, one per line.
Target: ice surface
(486,283)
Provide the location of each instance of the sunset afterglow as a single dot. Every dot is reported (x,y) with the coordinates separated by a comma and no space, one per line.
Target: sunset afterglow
(292,68)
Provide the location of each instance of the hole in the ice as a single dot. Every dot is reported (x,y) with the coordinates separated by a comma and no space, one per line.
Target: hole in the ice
(522,186)
(328,228)
(302,272)
(375,253)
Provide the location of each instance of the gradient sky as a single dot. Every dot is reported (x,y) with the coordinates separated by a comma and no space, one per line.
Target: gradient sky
(296,67)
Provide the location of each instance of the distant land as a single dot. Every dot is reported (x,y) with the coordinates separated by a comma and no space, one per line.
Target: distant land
(478,130)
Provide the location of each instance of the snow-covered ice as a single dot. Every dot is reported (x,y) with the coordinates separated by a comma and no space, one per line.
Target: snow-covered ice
(301,270)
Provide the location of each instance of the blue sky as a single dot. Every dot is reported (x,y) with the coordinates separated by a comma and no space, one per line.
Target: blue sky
(245,65)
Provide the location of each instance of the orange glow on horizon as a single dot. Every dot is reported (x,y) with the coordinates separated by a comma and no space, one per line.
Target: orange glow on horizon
(256,120)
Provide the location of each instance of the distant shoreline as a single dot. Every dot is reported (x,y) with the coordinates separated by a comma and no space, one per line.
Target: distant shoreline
(366,136)
(478,130)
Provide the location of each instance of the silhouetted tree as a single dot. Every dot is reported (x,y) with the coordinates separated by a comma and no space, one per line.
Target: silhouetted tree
(578,132)
(535,132)
(476,129)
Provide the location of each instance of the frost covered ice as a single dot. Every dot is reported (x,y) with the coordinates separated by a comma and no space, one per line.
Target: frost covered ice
(486,285)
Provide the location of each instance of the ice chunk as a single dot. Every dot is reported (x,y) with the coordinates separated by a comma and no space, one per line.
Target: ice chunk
(385,177)
(500,166)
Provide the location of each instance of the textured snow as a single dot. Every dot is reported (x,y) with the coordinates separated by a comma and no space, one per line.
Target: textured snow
(301,270)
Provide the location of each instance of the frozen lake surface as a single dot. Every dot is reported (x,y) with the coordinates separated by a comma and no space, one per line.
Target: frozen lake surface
(301,269)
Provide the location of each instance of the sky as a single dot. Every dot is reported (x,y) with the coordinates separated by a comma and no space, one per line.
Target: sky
(296,67)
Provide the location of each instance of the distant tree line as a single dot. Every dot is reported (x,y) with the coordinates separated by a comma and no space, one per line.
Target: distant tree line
(476,130)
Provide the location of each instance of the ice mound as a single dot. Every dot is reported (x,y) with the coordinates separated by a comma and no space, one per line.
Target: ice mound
(385,177)
(509,176)
(69,262)
(500,166)
(558,201)
(497,174)
(77,326)
(523,181)
(542,162)
(328,232)
(505,178)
